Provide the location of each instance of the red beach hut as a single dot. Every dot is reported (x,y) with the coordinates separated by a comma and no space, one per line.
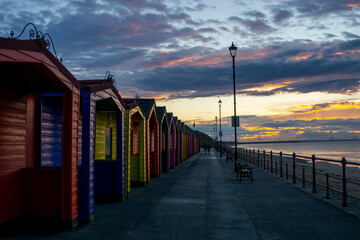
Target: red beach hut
(152,135)
(172,139)
(39,112)
(163,139)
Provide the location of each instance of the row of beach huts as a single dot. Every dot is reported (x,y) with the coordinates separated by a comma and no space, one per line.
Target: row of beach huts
(65,142)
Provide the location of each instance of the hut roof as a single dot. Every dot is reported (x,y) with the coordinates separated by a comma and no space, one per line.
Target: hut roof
(169,117)
(32,57)
(161,113)
(100,85)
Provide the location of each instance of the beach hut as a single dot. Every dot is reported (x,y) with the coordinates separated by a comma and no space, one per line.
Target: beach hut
(163,139)
(101,169)
(183,148)
(39,112)
(152,138)
(135,146)
(172,139)
(178,141)
(180,137)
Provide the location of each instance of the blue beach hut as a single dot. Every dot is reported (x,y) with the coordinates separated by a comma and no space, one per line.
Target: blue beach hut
(101,167)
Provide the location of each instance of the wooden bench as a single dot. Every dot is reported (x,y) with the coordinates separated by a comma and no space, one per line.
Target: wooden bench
(243,171)
(229,156)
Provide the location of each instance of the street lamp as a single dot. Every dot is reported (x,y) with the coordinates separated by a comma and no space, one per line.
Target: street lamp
(220,133)
(216,137)
(232,50)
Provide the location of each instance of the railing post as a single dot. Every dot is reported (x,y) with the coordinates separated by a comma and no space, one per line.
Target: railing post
(294,168)
(264,160)
(313,158)
(254,159)
(343,164)
(327,186)
(303,175)
(258,158)
(276,168)
(287,173)
(271,162)
(281,165)
(268,165)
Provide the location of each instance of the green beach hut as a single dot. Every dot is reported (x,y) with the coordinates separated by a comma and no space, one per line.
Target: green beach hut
(135,145)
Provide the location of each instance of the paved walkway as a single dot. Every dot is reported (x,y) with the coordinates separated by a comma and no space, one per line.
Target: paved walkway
(199,200)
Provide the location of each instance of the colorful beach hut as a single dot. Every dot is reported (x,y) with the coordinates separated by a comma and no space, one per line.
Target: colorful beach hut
(101,168)
(177,147)
(39,112)
(180,137)
(183,148)
(152,138)
(163,140)
(172,139)
(135,146)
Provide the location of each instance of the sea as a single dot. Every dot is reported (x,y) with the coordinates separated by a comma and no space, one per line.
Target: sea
(334,149)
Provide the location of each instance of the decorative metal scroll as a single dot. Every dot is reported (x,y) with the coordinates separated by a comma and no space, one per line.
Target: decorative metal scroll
(34,34)
(109,76)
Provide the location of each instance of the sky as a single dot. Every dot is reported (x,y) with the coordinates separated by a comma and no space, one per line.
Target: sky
(297,66)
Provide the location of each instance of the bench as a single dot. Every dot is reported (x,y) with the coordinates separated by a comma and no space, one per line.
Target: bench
(243,171)
(229,156)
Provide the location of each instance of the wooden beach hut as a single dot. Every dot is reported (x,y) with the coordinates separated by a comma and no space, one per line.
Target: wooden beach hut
(152,138)
(172,139)
(101,169)
(163,139)
(183,147)
(178,141)
(39,112)
(135,146)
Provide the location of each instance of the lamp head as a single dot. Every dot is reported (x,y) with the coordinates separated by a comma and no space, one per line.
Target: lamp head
(232,50)
(220,102)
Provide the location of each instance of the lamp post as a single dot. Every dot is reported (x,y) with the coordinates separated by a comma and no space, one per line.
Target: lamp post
(220,133)
(216,137)
(232,50)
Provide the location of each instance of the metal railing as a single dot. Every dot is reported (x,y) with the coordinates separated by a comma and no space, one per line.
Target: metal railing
(304,169)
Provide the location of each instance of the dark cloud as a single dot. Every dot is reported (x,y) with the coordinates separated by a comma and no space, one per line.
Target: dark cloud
(350,35)
(330,35)
(255,14)
(281,16)
(258,26)
(328,73)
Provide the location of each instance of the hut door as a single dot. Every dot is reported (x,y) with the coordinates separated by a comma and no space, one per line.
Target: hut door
(108,145)
(51,113)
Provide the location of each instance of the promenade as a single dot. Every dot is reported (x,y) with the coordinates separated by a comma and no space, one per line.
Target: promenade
(199,200)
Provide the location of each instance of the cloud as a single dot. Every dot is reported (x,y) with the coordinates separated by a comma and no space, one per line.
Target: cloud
(280,16)
(319,8)
(198,8)
(258,26)
(255,14)
(350,35)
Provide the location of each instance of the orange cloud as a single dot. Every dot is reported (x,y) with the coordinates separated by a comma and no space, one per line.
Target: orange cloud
(353,5)
(300,58)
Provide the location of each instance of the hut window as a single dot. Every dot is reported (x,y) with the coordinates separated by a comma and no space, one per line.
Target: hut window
(135,138)
(152,140)
(108,145)
(51,114)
